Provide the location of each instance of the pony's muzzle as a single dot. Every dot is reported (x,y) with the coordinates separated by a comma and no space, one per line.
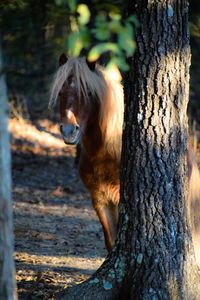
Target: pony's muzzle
(70,133)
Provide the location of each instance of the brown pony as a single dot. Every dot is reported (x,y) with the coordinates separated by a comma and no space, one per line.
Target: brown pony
(91,110)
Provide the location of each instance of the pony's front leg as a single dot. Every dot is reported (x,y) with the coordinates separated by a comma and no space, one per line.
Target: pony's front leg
(108,216)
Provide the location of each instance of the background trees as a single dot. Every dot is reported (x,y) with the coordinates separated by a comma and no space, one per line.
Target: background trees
(34,33)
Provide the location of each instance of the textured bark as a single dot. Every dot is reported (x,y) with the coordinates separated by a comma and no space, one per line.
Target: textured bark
(156,119)
(153,257)
(7,270)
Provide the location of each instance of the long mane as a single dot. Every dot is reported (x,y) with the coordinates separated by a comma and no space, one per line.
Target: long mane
(107,91)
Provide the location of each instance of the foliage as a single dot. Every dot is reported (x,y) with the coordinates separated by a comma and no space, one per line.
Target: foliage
(10,5)
(106,31)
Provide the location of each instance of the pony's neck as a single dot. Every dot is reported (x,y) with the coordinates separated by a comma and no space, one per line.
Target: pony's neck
(92,140)
(104,131)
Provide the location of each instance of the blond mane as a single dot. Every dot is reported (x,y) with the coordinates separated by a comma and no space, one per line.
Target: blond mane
(107,91)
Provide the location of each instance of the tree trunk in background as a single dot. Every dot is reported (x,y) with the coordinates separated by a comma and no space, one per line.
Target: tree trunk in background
(153,257)
(7,269)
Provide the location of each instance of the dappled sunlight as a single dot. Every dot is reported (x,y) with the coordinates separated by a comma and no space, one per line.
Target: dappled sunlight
(43,137)
(58,239)
(70,261)
(42,274)
(114,73)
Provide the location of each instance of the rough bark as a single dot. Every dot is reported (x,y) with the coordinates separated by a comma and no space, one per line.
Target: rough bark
(7,270)
(156,119)
(153,257)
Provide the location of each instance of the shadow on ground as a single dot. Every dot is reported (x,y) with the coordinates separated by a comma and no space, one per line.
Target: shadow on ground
(58,239)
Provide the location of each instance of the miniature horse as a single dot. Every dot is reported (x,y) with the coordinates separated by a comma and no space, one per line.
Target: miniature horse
(91,110)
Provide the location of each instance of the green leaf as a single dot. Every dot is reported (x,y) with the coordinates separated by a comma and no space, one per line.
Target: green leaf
(72,5)
(96,51)
(100,19)
(115,16)
(126,42)
(133,19)
(115,26)
(84,14)
(75,44)
(102,33)
(129,28)
(85,36)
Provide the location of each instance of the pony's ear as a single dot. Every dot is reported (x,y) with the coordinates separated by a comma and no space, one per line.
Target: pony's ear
(91,64)
(63,59)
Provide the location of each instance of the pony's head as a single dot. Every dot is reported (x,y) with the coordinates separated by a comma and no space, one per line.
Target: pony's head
(90,101)
(76,85)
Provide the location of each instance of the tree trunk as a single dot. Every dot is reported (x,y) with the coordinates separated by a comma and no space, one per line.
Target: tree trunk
(156,119)
(153,257)
(7,270)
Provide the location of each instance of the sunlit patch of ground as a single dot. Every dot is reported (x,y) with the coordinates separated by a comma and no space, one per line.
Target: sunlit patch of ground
(68,262)
(58,239)
(43,275)
(44,137)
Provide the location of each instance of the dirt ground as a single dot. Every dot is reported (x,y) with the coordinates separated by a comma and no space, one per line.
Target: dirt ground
(58,239)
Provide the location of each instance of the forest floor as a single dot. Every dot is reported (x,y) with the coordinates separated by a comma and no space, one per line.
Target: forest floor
(58,239)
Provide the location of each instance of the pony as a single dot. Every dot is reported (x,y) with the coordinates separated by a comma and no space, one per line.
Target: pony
(91,112)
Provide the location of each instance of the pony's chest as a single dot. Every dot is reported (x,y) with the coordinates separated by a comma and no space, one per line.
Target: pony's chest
(105,171)
(99,168)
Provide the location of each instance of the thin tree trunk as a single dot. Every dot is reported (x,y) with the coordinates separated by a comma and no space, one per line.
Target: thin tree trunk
(153,257)
(7,270)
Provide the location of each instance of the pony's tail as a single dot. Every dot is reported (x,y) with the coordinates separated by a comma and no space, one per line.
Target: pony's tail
(194,197)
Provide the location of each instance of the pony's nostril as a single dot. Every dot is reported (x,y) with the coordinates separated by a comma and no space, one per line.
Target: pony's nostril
(77,126)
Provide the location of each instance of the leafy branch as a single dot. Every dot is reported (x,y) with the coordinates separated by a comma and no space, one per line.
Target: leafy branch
(106,32)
